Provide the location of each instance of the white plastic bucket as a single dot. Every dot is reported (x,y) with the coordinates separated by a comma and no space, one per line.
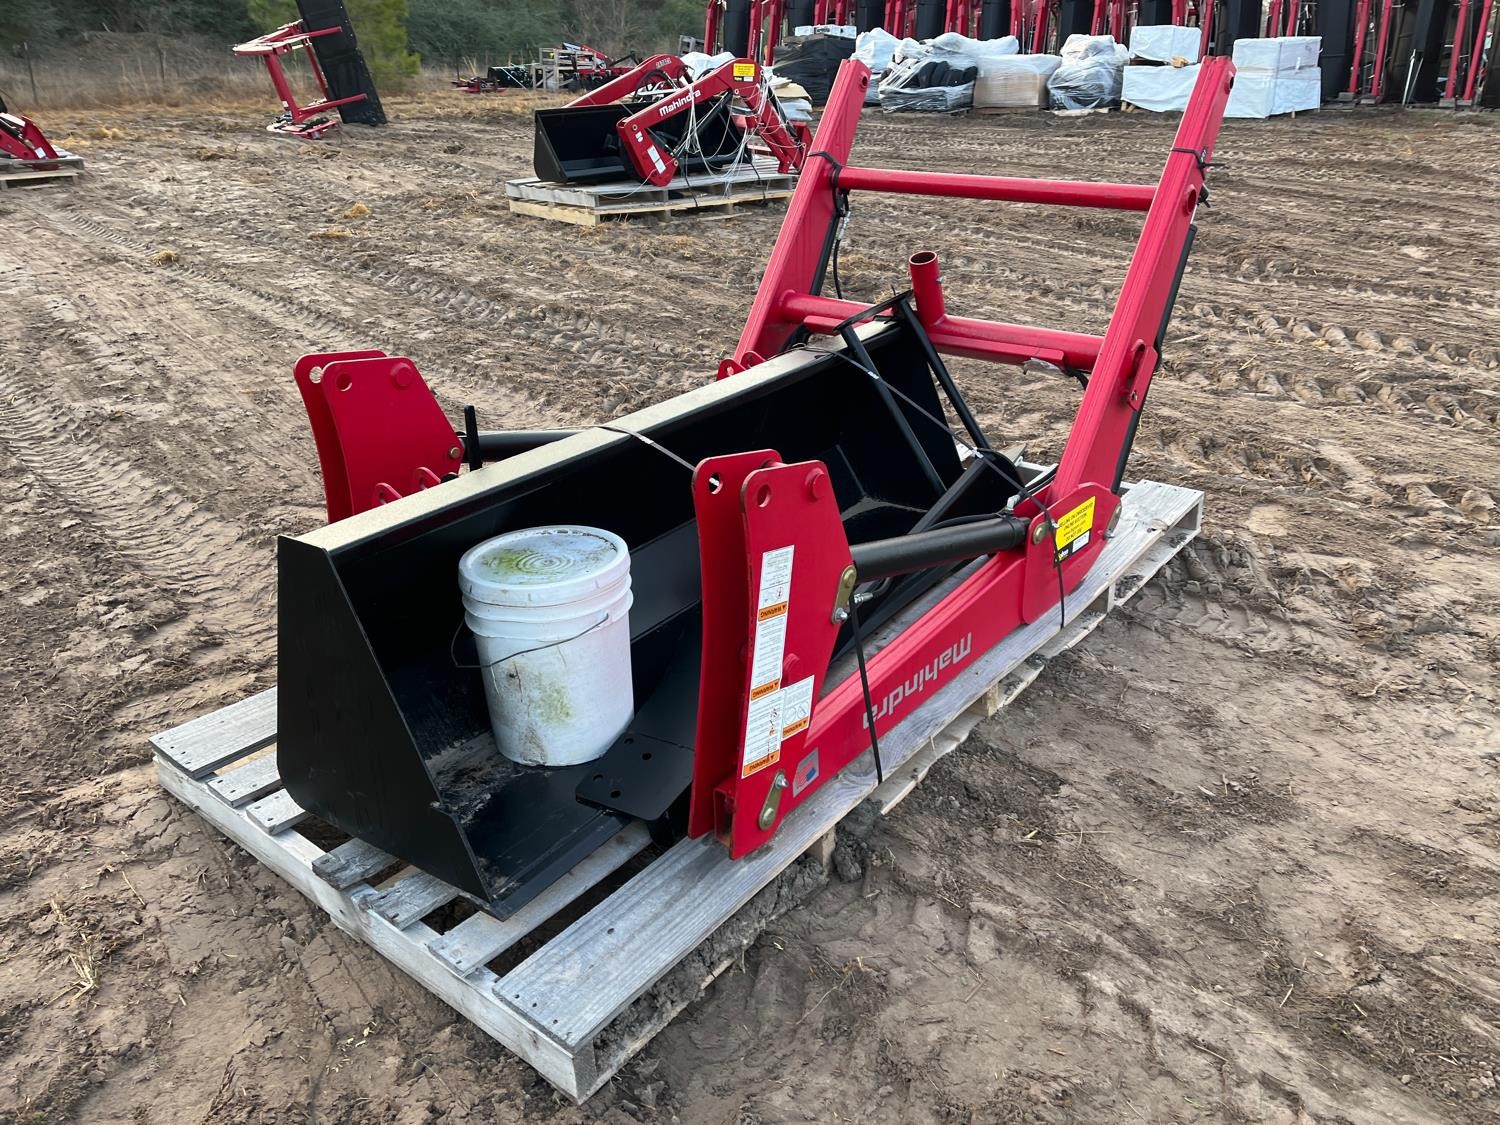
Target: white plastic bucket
(549,608)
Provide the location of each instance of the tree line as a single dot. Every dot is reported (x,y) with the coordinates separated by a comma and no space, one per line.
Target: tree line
(397,36)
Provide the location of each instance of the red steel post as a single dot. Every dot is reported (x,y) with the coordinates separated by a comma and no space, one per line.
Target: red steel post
(1361,33)
(1100,437)
(1382,38)
(1458,48)
(1476,57)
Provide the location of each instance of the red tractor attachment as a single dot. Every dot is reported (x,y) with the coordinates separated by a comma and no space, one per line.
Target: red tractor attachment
(815,550)
(656,123)
(25,148)
(326,36)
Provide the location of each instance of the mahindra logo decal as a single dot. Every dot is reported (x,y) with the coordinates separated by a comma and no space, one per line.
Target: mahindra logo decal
(678,103)
(923,678)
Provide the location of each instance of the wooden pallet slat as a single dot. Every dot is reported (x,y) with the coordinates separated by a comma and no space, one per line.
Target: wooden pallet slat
(756,183)
(482,938)
(247,783)
(411,898)
(353,861)
(275,813)
(205,744)
(556,1008)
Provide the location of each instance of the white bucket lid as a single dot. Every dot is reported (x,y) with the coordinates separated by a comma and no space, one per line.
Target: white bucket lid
(542,566)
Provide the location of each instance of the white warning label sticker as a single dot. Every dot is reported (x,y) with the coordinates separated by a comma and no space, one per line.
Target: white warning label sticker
(775,580)
(796,707)
(762,734)
(770,622)
(770,649)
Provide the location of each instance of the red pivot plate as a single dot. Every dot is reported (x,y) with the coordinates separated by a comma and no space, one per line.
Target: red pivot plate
(797,558)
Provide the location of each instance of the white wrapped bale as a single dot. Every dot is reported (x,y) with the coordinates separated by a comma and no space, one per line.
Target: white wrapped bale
(1279,54)
(1165,42)
(1258,94)
(1161,89)
(1091,73)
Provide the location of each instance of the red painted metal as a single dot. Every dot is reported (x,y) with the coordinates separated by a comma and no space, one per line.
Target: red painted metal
(711,21)
(22,140)
(772,545)
(741,77)
(794,554)
(1361,33)
(644,74)
(1459,27)
(1069,193)
(1478,59)
(1012,587)
(351,400)
(718,484)
(286,40)
(1382,40)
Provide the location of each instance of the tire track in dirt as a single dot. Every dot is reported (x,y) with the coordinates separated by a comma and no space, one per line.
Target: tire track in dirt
(163,535)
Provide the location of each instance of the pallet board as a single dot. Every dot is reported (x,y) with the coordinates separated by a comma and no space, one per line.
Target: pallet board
(579,1006)
(753,184)
(21,176)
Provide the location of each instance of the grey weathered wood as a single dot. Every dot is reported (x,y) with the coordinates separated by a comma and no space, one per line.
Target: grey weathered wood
(353,861)
(247,783)
(411,898)
(201,746)
(761,170)
(483,937)
(576,984)
(291,855)
(274,813)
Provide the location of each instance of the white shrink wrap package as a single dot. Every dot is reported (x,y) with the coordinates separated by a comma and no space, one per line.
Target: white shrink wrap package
(1090,75)
(1268,94)
(1281,54)
(1161,89)
(939,75)
(1017,82)
(1165,42)
(876,49)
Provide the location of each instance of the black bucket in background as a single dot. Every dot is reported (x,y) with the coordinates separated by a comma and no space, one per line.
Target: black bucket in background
(580,145)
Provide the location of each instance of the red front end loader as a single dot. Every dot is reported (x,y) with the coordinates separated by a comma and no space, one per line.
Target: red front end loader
(816,551)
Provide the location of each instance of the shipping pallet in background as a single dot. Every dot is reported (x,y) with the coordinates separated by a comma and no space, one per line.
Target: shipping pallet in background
(69,169)
(754,183)
(593,989)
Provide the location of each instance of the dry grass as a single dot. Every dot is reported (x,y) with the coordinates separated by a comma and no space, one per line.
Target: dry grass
(355,210)
(332,233)
(164,257)
(81,952)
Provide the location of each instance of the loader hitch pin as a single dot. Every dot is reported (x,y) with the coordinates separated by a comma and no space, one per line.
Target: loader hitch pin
(773,801)
(841,597)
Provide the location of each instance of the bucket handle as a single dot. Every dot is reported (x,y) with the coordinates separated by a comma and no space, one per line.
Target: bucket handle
(453,645)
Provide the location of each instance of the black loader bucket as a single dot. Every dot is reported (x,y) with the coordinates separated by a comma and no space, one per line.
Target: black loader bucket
(581,144)
(383,725)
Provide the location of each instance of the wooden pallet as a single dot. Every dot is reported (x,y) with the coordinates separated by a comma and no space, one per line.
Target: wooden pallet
(754,184)
(586,1000)
(70,168)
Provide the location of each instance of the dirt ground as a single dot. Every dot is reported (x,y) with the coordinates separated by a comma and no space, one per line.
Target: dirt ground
(1236,858)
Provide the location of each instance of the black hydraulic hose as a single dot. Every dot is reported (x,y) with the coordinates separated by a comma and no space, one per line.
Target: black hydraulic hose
(885,558)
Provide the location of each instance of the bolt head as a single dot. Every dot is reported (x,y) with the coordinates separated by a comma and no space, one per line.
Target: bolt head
(1039,532)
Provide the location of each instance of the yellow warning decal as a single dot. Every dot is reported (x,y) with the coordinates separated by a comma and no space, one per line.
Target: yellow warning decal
(772,611)
(1075,524)
(744,70)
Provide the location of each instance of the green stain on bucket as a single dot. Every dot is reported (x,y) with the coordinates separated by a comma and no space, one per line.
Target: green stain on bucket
(552,704)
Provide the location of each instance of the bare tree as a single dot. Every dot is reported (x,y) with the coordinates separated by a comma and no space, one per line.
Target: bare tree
(612,26)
